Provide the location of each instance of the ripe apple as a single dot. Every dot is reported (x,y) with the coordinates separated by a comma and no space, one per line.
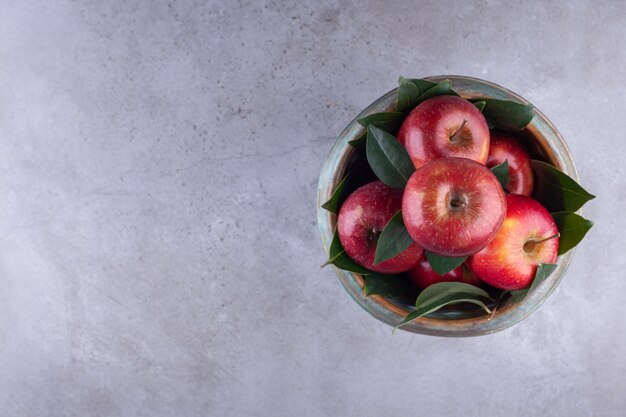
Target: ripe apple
(362,218)
(527,237)
(506,147)
(445,126)
(453,206)
(424,276)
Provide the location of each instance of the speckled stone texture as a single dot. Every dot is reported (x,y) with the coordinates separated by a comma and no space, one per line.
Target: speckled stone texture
(159,253)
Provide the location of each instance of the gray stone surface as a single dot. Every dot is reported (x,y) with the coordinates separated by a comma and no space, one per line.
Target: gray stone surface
(159,254)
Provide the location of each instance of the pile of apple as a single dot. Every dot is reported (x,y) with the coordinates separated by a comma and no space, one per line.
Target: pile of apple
(453,202)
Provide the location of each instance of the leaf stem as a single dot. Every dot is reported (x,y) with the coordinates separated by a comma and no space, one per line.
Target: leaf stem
(332,259)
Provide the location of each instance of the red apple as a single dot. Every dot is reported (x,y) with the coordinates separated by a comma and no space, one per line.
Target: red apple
(506,147)
(445,126)
(424,276)
(527,237)
(362,218)
(453,206)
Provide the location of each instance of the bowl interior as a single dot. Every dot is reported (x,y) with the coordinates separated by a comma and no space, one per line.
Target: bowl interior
(543,141)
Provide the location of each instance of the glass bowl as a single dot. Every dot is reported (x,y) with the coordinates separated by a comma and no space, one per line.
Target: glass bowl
(546,143)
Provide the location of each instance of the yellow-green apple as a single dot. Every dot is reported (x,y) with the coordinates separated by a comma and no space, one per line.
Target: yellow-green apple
(527,237)
(423,275)
(453,206)
(445,126)
(506,147)
(362,218)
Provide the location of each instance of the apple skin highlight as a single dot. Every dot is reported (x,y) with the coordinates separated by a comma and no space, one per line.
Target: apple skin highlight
(453,206)
(428,132)
(506,147)
(505,262)
(362,218)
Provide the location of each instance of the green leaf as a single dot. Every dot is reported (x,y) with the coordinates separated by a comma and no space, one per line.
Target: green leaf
(385,285)
(506,114)
(360,141)
(480,105)
(407,96)
(445,293)
(572,228)
(387,121)
(337,256)
(543,271)
(422,85)
(556,190)
(444,88)
(442,264)
(412,92)
(409,318)
(388,158)
(502,173)
(437,292)
(337,198)
(393,240)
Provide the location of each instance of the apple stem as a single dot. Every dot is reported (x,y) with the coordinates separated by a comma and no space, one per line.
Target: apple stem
(458,204)
(453,137)
(546,239)
(530,245)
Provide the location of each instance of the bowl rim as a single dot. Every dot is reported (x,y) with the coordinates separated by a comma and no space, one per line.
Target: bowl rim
(391,313)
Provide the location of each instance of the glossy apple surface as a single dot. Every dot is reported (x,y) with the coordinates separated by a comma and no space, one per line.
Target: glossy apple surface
(510,260)
(445,126)
(453,206)
(423,275)
(506,147)
(362,218)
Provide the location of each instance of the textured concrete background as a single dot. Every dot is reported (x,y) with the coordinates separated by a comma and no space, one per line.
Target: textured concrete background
(159,254)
